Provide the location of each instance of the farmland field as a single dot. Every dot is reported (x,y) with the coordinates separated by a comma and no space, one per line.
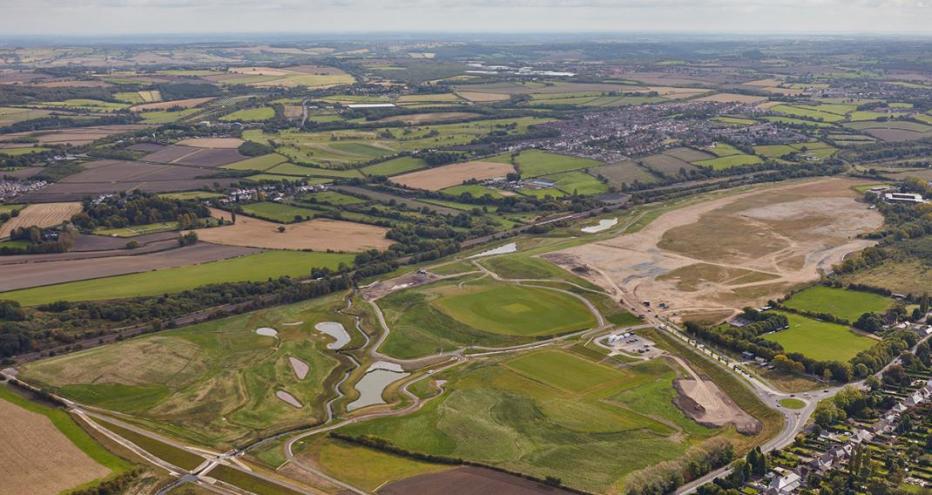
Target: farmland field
(625,172)
(255,267)
(577,183)
(42,215)
(533,413)
(534,163)
(446,316)
(278,212)
(437,178)
(841,303)
(212,383)
(395,166)
(820,340)
(260,163)
(44,451)
(729,161)
(250,115)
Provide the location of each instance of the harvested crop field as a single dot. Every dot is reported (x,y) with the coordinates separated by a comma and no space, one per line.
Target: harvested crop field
(732,251)
(666,164)
(39,459)
(318,234)
(438,178)
(422,118)
(41,215)
(75,136)
(215,143)
(732,98)
(200,156)
(165,105)
(24,275)
(469,480)
(624,172)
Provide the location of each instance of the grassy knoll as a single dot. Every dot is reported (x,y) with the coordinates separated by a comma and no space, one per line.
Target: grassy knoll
(250,115)
(67,425)
(395,166)
(534,163)
(820,340)
(360,466)
(589,426)
(443,316)
(254,267)
(212,383)
(841,303)
(278,212)
(168,453)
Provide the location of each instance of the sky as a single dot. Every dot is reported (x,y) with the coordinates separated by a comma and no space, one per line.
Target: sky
(127,17)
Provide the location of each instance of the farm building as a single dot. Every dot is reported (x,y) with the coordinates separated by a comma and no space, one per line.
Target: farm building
(903,198)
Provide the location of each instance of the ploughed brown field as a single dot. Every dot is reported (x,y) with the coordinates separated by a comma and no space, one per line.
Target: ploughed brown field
(165,105)
(434,179)
(319,235)
(37,458)
(41,215)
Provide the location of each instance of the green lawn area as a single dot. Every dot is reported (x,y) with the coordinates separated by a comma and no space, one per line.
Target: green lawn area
(210,384)
(249,482)
(258,163)
(135,230)
(550,413)
(820,340)
(191,195)
(250,115)
(535,163)
(841,303)
(22,151)
(792,403)
(578,183)
(395,166)
(278,212)
(475,190)
(818,114)
(256,267)
(734,120)
(516,310)
(166,116)
(168,453)
(723,149)
(67,425)
(729,161)
(87,104)
(334,198)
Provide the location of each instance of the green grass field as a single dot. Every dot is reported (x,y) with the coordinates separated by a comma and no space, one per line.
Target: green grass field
(579,183)
(729,161)
(258,163)
(22,151)
(442,316)
(254,267)
(249,482)
(213,383)
(792,403)
(820,340)
(166,116)
(841,303)
(191,195)
(67,425)
(135,230)
(395,166)
(550,413)
(474,190)
(250,115)
(535,163)
(278,212)
(168,453)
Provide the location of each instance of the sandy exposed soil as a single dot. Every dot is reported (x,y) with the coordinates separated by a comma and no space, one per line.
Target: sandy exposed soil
(318,234)
(732,251)
(37,458)
(707,404)
(434,179)
(42,215)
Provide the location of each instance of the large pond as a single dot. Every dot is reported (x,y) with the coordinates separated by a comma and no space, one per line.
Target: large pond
(603,225)
(511,247)
(335,330)
(379,375)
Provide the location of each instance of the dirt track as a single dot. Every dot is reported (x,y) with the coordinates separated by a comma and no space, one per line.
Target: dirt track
(37,458)
(43,215)
(732,251)
(318,234)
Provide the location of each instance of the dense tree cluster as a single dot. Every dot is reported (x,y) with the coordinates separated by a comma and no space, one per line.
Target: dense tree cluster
(138,208)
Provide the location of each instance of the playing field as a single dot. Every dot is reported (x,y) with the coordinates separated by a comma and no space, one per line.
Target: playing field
(211,383)
(45,452)
(444,316)
(820,340)
(550,413)
(256,267)
(841,303)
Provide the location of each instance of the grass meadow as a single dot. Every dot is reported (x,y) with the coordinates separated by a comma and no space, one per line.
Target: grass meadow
(820,340)
(841,303)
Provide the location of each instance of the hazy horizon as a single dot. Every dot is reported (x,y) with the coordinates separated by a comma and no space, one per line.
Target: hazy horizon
(103,18)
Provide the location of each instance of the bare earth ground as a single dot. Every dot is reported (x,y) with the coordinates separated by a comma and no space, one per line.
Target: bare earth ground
(758,244)
(434,179)
(43,215)
(24,275)
(468,480)
(707,404)
(318,235)
(37,458)
(216,143)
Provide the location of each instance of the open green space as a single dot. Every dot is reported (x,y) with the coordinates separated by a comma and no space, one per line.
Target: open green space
(213,383)
(250,115)
(250,483)
(278,212)
(192,195)
(168,453)
(792,403)
(550,413)
(841,303)
(395,166)
(474,190)
(86,104)
(258,163)
(579,183)
(167,116)
(535,163)
(820,340)
(255,267)
(134,230)
(445,315)
(70,428)
(22,151)
(729,161)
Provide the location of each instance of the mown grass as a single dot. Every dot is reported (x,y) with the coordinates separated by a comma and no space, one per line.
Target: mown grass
(135,230)
(168,453)
(250,115)
(255,267)
(70,428)
(278,212)
(792,403)
(191,195)
(596,425)
(211,384)
(535,163)
(841,303)
(820,340)
(249,482)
